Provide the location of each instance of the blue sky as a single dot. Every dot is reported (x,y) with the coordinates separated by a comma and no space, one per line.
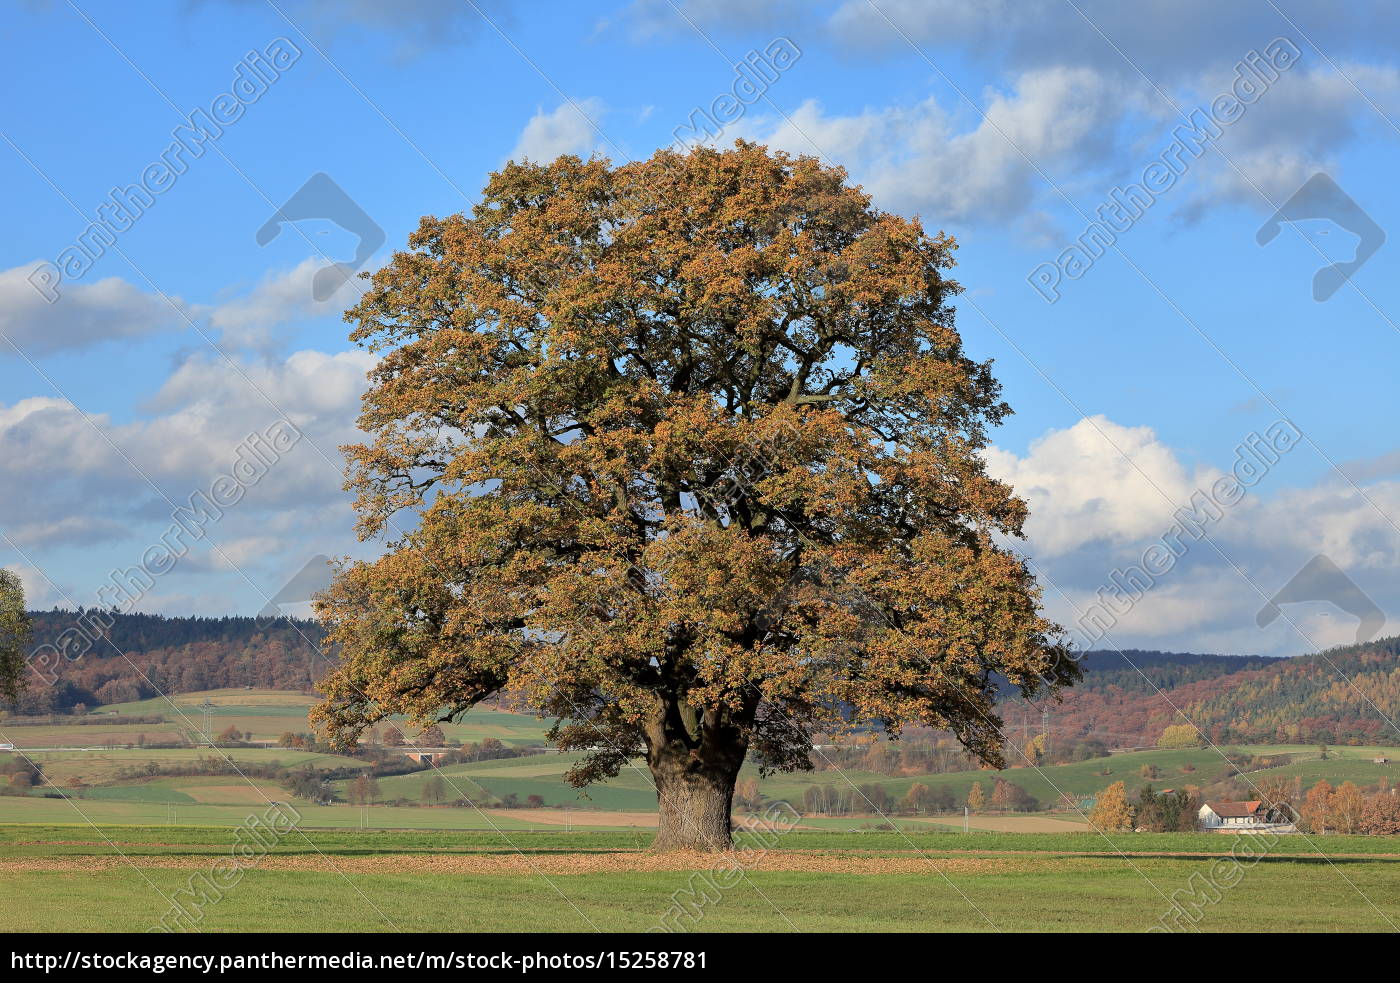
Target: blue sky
(1004,124)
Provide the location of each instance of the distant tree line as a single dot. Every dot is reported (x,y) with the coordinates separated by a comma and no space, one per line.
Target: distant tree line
(1233,699)
(1149,811)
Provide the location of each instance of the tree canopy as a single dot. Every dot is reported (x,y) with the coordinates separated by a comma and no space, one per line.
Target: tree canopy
(686,453)
(15,633)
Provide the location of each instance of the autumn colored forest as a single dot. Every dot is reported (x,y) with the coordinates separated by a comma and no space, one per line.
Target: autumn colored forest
(1234,699)
(1119,703)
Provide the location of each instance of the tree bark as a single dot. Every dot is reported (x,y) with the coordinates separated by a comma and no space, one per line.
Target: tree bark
(695,755)
(695,801)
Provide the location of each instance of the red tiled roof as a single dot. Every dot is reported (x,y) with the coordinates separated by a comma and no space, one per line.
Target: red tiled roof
(1237,810)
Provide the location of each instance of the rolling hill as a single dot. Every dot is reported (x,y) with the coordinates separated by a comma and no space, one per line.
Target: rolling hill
(1347,695)
(96,657)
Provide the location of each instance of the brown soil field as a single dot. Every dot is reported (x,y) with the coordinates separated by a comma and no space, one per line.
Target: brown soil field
(577,817)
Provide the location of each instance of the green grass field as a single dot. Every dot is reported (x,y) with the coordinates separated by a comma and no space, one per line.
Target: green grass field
(267,713)
(63,768)
(102,777)
(948,882)
(160,810)
(522,777)
(1080,779)
(113,854)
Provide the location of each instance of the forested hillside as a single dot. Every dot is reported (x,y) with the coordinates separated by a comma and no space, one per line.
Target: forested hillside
(94,658)
(1345,695)
(1125,699)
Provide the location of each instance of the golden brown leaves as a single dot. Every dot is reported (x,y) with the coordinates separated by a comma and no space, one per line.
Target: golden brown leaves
(688,443)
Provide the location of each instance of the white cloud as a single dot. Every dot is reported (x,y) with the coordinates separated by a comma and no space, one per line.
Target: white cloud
(282,296)
(1355,528)
(1097,482)
(1150,60)
(109,488)
(83,314)
(569,129)
(918,158)
(1295,129)
(87,314)
(1094,512)
(212,404)
(197,429)
(1178,613)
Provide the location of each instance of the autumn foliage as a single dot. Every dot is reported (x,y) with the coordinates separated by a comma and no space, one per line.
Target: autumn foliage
(687,454)
(15,632)
(1111,812)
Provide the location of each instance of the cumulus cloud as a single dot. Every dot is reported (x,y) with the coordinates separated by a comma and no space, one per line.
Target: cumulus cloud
(1087,90)
(1356,526)
(113,309)
(111,489)
(568,129)
(924,158)
(250,321)
(103,476)
(1098,481)
(84,314)
(1103,494)
(209,406)
(1199,603)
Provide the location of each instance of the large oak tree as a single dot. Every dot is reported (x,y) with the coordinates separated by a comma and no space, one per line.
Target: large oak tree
(686,454)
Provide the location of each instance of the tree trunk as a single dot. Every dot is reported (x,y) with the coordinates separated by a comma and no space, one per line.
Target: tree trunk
(695,756)
(695,802)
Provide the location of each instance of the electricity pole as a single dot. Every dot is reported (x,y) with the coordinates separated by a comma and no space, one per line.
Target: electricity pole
(208,707)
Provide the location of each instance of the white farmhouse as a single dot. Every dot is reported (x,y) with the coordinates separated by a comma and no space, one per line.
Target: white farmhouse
(1234,815)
